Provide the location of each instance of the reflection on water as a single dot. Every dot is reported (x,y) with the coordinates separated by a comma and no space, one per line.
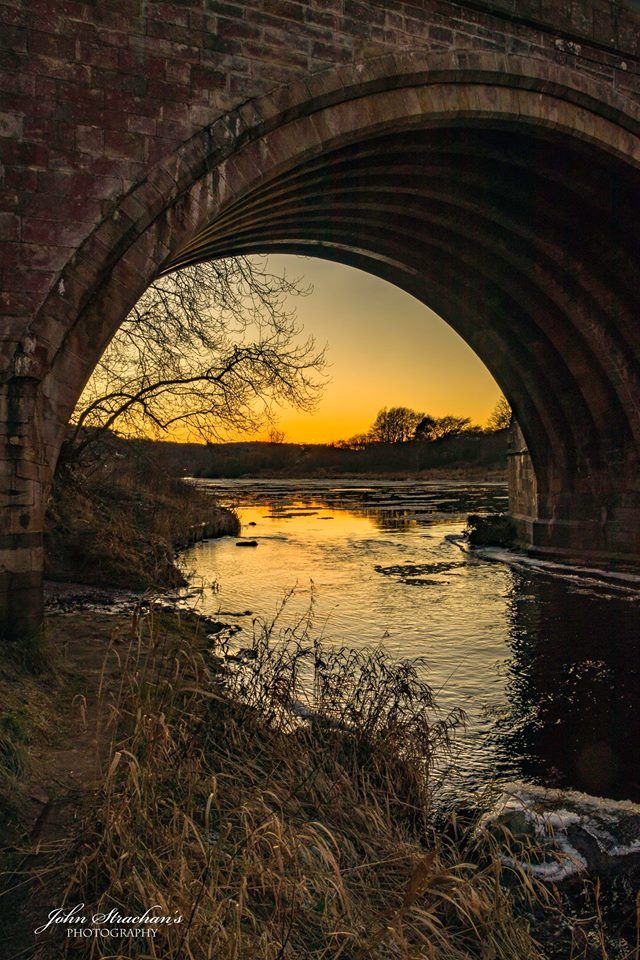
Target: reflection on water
(546,670)
(573,687)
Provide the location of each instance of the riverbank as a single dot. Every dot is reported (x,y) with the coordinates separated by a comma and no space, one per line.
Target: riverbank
(124,525)
(459,473)
(150,766)
(469,453)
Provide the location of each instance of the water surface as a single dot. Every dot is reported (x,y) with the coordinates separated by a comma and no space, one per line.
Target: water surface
(546,669)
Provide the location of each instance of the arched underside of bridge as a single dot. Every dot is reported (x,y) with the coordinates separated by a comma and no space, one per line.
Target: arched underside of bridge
(503,193)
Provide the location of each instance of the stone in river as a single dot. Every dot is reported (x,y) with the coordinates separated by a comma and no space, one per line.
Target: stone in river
(247,543)
(573,833)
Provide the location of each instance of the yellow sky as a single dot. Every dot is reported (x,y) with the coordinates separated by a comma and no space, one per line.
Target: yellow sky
(385,349)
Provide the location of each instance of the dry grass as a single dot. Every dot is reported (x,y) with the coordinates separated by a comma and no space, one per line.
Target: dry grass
(118,528)
(277,798)
(26,706)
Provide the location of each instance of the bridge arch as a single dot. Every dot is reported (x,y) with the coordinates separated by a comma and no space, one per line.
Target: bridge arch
(501,191)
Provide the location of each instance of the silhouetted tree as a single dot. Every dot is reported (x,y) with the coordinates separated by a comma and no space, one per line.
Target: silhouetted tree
(500,417)
(212,348)
(359,441)
(439,428)
(395,425)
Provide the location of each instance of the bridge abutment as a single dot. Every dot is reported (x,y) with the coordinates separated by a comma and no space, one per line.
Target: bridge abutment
(598,526)
(522,484)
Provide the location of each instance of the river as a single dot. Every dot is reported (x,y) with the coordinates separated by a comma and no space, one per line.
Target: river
(546,668)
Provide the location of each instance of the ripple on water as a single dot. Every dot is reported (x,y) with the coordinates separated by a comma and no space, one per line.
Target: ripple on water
(547,669)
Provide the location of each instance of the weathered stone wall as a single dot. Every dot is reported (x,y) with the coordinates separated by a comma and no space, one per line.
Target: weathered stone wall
(523,489)
(92,94)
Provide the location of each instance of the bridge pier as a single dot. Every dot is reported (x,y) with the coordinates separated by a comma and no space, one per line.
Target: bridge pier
(596,522)
(522,484)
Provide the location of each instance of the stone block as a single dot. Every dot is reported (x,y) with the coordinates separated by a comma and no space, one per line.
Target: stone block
(124,145)
(9,226)
(90,140)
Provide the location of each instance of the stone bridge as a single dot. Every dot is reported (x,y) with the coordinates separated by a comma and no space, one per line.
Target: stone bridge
(483,155)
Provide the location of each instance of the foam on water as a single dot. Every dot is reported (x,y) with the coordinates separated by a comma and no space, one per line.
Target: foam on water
(576,831)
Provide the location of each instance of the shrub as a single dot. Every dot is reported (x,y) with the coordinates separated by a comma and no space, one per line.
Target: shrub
(495,530)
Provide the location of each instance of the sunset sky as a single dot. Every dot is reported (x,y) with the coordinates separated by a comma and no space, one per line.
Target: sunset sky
(384,349)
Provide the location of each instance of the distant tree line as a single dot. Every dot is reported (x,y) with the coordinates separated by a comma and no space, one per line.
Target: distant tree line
(213,350)
(400,425)
(482,449)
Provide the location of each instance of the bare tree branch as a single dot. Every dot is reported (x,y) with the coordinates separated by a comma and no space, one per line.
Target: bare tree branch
(213,348)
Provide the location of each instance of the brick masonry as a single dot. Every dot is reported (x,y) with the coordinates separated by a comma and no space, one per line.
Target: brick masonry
(92,94)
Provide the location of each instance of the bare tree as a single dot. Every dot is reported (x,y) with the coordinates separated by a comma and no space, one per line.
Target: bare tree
(276,436)
(500,418)
(395,425)
(206,353)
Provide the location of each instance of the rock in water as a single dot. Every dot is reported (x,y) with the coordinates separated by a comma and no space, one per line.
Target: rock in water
(247,543)
(572,832)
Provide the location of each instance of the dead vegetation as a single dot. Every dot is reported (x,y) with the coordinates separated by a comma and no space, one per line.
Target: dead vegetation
(277,799)
(120,525)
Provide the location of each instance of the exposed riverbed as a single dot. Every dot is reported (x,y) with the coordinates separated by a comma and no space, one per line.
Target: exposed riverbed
(546,667)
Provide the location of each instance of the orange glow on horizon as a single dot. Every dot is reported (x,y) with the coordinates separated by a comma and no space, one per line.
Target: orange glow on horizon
(384,349)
